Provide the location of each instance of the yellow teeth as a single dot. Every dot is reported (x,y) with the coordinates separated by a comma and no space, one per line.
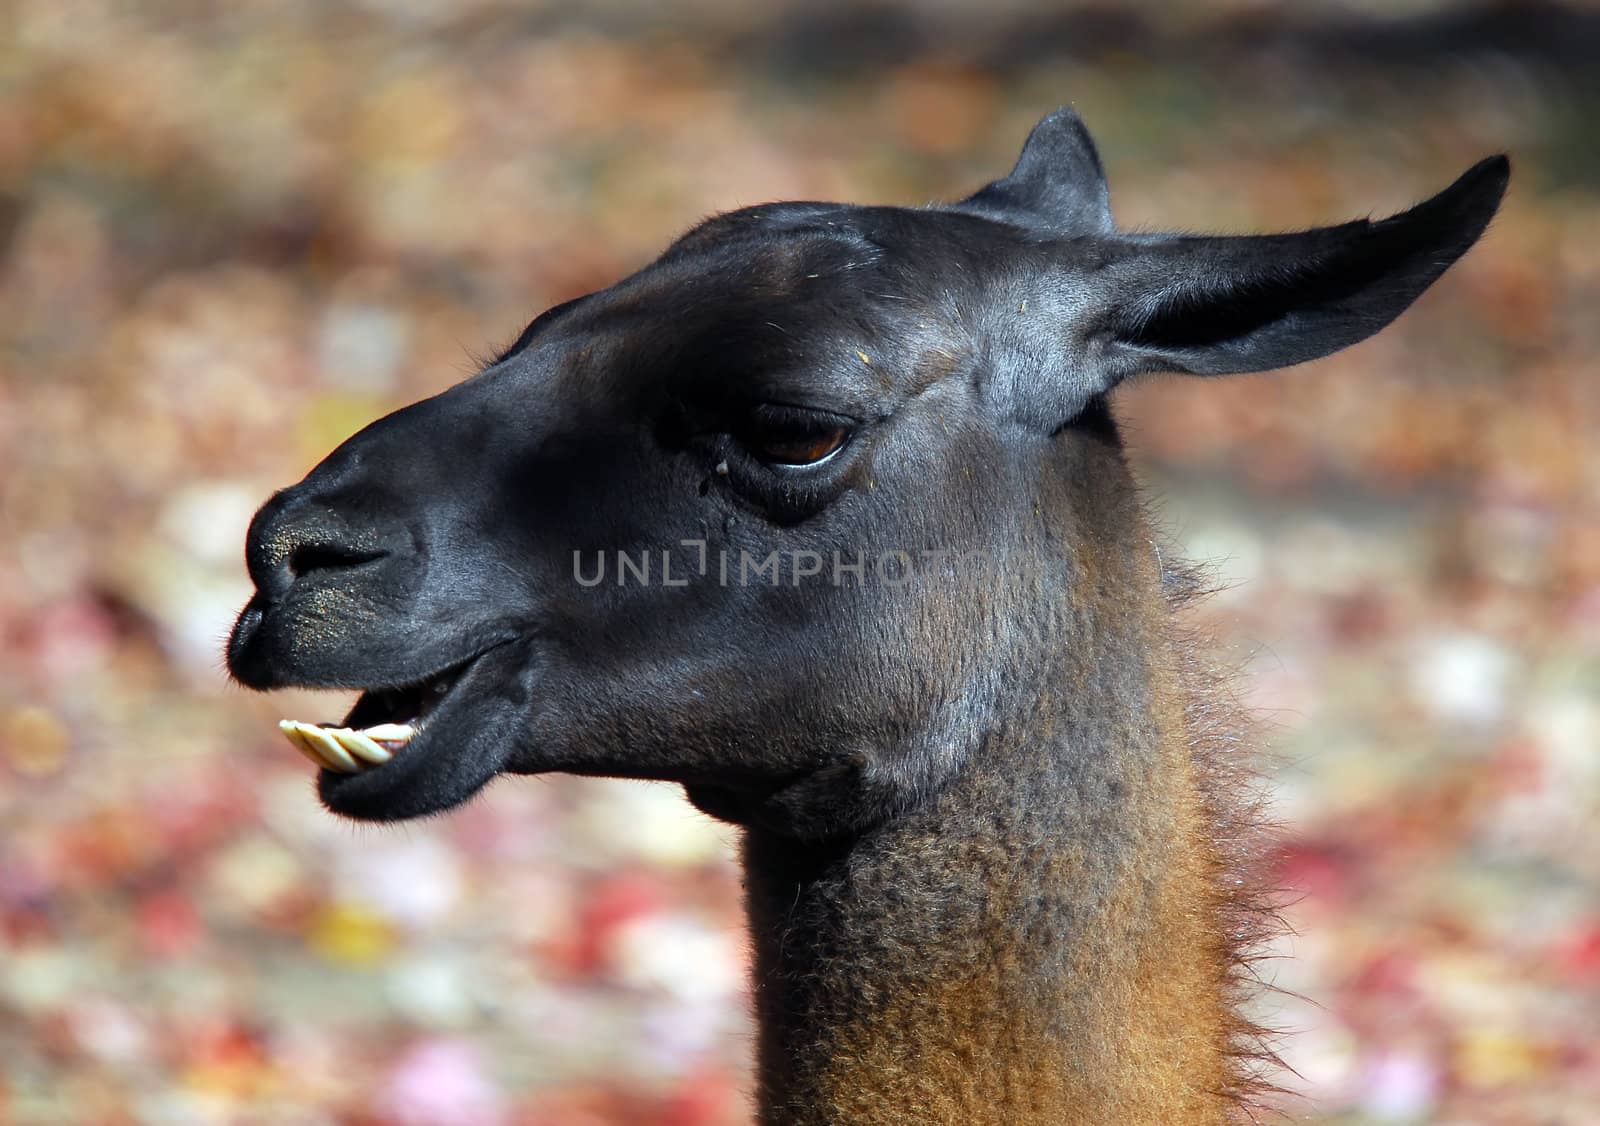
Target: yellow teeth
(291,731)
(343,750)
(362,745)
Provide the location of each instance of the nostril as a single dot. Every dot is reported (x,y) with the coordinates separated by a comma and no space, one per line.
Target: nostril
(309,557)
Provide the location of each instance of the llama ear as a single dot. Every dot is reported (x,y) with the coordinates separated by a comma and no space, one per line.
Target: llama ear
(1057,185)
(1212,306)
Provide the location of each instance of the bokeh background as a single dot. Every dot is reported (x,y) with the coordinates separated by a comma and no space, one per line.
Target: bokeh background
(230,234)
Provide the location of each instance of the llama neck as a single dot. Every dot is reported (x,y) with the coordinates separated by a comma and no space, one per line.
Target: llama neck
(1037,943)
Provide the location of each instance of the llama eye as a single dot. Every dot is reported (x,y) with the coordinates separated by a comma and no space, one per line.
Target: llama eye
(797,449)
(793,439)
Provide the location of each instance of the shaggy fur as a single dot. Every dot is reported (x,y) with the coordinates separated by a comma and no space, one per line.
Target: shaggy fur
(1246,902)
(1066,933)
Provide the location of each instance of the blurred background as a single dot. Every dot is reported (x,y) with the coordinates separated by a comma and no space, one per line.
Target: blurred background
(232,234)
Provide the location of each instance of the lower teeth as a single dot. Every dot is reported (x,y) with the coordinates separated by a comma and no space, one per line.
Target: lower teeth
(345,750)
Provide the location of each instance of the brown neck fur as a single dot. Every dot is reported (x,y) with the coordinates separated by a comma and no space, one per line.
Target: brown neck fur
(1056,936)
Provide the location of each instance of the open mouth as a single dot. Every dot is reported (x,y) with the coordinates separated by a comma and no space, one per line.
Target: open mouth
(381,725)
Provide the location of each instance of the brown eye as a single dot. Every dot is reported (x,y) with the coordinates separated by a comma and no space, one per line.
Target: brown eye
(789,443)
(785,436)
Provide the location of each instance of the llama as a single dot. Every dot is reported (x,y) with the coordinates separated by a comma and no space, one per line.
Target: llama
(884,595)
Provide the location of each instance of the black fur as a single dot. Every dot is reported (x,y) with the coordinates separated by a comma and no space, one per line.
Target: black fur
(957,341)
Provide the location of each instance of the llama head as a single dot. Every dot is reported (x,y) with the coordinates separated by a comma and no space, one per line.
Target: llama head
(785,515)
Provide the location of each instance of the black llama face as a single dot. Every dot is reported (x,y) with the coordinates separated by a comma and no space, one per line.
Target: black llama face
(781,516)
